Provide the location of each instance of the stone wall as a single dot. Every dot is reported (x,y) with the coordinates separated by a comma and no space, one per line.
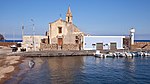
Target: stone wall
(70,47)
(141,45)
(55,47)
(68,34)
(44,46)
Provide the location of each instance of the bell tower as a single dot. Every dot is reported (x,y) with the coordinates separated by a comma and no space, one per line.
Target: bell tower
(69,15)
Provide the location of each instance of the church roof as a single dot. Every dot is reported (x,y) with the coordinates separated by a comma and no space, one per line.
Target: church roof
(62,21)
(58,20)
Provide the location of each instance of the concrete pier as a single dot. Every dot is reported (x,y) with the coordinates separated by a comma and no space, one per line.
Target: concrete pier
(60,53)
(54,53)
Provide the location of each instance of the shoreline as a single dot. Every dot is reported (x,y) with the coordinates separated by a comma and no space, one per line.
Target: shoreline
(9,66)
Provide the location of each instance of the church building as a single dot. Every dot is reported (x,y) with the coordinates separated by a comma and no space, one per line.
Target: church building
(64,35)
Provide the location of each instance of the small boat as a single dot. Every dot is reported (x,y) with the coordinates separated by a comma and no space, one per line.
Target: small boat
(31,63)
(98,54)
(128,54)
(148,54)
(97,51)
(13,46)
(109,55)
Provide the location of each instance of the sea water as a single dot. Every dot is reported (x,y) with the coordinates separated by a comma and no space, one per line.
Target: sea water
(83,70)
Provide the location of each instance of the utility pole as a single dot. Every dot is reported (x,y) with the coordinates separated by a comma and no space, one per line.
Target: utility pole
(33,34)
(22,31)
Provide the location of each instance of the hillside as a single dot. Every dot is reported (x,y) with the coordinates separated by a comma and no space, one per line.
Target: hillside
(1,37)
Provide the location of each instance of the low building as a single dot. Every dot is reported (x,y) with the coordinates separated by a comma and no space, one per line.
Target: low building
(103,42)
(32,43)
(109,42)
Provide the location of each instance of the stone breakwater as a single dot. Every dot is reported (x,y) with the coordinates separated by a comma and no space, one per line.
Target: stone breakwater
(8,65)
(7,44)
(141,45)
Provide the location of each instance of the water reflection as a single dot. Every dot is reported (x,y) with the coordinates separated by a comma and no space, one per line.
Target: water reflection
(130,64)
(83,70)
(64,69)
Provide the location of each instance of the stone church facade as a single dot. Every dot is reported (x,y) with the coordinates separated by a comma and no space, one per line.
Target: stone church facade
(64,35)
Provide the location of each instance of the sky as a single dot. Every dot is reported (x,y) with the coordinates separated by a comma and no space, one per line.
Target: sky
(95,17)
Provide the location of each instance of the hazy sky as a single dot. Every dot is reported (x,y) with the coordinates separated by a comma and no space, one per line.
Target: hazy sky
(96,17)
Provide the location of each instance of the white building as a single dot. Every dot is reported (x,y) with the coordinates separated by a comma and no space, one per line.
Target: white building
(32,43)
(103,42)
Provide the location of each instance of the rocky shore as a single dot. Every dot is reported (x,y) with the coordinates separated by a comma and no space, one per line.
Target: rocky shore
(8,65)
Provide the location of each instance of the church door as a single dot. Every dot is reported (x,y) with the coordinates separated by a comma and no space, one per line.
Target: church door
(60,41)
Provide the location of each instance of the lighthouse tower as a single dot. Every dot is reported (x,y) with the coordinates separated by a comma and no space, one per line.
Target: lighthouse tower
(132,31)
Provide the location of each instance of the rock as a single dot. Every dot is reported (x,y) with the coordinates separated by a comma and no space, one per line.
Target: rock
(12,59)
(5,70)
(7,66)
(8,69)
(1,37)
(13,62)
(1,76)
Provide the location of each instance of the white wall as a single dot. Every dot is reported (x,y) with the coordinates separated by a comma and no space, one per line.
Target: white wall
(28,42)
(89,40)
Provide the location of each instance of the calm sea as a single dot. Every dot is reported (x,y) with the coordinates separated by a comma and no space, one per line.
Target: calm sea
(84,70)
